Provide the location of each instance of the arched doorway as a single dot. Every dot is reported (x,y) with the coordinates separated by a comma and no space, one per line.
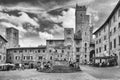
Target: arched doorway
(31,65)
(92,54)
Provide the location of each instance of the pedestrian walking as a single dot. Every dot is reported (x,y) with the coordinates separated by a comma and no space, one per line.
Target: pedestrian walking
(42,66)
(20,66)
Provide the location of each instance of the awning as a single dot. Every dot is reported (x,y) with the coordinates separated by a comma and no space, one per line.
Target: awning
(105,57)
(7,64)
(2,64)
(11,64)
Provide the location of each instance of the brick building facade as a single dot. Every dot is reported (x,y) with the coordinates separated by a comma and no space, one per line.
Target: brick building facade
(28,56)
(3,42)
(107,36)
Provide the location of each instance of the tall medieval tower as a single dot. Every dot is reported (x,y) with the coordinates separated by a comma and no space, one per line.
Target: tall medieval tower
(12,35)
(69,42)
(83,27)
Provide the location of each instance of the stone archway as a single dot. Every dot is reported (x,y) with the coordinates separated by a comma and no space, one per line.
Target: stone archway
(92,54)
(31,65)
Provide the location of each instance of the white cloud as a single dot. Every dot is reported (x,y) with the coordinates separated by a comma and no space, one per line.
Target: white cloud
(31,42)
(6,24)
(45,35)
(25,18)
(19,20)
(57,29)
(96,18)
(68,18)
(24,7)
(94,15)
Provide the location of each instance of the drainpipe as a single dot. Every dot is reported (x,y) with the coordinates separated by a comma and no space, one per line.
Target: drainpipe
(109,38)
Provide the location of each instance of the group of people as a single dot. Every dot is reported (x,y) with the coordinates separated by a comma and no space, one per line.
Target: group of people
(111,62)
(20,67)
(74,65)
(44,66)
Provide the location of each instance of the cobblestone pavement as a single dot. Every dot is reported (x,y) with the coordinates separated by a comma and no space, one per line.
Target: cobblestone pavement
(34,75)
(108,73)
(88,73)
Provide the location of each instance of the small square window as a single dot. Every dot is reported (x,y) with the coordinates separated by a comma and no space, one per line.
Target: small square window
(62,51)
(20,51)
(105,47)
(38,51)
(40,57)
(24,57)
(100,49)
(118,25)
(15,51)
(50,42)
(0,57)
(104,37)
(50,51)
(119,13)
(43,51)
(114,29)
(25,50)
(99,40)
(77,49)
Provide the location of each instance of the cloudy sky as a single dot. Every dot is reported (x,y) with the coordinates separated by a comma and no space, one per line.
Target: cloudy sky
(38,20)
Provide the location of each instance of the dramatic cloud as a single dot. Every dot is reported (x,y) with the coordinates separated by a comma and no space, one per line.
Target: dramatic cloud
(18,20)
(43,4)
(68,18)
(6,24)
(38,20)
(57,31)
(102,9)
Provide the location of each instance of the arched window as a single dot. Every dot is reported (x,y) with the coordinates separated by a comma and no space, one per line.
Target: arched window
(81,15)
(51,58)
(85,33)
(85,44)
(10,57)
(0,57)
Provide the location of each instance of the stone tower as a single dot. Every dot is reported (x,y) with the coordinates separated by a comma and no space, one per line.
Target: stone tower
(69,42)
(82,26)
(12,36)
